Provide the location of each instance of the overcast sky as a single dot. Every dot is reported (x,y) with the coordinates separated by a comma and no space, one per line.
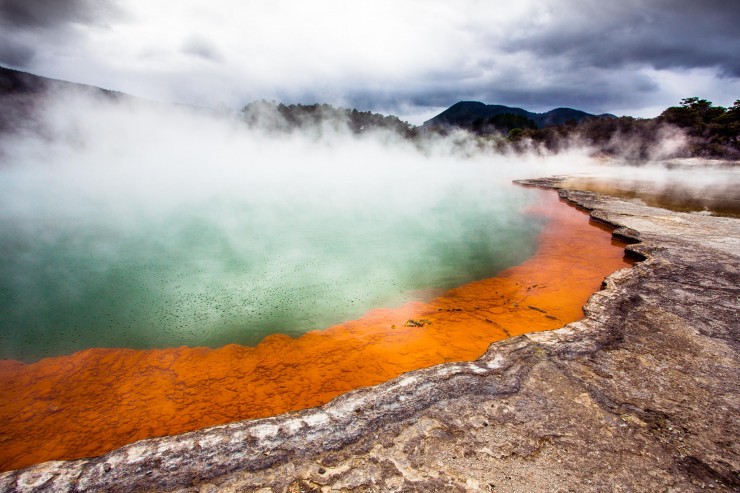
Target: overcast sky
(408,57)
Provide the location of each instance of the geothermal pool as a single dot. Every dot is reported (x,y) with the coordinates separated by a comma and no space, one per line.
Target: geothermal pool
(162,271)
(93,401)
(236,269)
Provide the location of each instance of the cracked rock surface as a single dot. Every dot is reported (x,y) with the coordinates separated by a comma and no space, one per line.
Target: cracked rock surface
(643,394)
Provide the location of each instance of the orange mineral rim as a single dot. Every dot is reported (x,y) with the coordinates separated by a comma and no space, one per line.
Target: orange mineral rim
(93,401)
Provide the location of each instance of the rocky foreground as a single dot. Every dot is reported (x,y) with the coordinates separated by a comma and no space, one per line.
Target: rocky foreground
(643,394)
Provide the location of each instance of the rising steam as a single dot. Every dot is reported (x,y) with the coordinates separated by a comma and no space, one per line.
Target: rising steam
(129,223)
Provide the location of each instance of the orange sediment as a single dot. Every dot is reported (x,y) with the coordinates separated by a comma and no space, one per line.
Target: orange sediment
(96,400)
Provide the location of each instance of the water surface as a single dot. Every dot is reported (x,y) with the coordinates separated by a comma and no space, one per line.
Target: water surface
(232,266)
(96,400)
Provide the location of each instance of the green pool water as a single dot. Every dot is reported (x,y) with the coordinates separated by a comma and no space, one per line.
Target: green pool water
(144,239)
(186,280)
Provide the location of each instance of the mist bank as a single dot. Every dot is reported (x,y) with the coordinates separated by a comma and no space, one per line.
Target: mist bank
(693,129)
(127,224)
(166,225)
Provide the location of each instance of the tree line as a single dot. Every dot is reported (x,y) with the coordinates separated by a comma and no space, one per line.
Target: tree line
(286,118)
(703,129)
(694,128)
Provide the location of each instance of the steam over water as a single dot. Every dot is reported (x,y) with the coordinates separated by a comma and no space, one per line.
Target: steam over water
(129,226)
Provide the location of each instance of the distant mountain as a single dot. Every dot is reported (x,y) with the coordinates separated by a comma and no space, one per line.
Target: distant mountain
(467,114)
(15,82)
(709,131)
(21,97)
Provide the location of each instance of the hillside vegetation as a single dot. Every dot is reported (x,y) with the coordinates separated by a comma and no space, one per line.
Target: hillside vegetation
(694,128)
(286,118)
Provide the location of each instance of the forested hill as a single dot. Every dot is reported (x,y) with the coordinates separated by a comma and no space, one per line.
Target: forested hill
(15,82)
(21,97)
(285,118)
(476,116)
(694,128)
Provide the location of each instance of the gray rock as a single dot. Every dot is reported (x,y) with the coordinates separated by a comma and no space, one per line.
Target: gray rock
(643,394)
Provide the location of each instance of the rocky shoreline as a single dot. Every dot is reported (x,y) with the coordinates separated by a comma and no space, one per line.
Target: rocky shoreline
(643,394)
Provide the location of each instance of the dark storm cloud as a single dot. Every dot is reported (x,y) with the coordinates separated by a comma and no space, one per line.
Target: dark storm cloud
(663,34)
(25,14)
(13,53)
(588,54)
(591,89)
(630,56)
(28,24)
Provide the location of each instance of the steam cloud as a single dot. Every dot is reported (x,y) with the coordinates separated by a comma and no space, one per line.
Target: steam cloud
(129,223)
